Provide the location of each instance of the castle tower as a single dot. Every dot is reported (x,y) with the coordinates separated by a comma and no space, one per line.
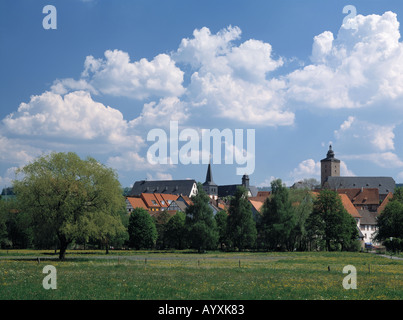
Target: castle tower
(330,166)
(209,185)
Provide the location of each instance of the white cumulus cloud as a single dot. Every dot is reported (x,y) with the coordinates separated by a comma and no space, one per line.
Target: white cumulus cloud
(361,66)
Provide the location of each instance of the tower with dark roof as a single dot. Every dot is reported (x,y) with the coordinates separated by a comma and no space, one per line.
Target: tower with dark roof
(245,181)
(330,166)
(209,185)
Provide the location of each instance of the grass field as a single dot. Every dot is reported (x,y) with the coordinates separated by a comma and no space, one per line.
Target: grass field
(92,275)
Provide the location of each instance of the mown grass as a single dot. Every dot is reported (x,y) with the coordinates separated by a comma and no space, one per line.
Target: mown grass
(189,276)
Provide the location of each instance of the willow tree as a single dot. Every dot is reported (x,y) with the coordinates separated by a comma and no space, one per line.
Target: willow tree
(68,198)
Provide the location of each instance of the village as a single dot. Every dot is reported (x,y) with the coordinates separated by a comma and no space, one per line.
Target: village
(364,198)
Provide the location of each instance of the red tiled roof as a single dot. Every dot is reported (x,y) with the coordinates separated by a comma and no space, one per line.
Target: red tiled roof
(149,198)
(263,194)
(256,204)
(365,196)
(348,205)
(137,202)
(187,200)
(385,202)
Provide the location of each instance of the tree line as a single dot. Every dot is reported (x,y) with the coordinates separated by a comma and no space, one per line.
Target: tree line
(289,220)
(63,201)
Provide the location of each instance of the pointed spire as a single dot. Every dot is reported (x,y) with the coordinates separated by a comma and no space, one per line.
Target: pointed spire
(209,175)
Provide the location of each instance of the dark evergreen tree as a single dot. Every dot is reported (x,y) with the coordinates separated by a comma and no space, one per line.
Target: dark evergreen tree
(142,230)
(221,220)
(175,231)
(200,223)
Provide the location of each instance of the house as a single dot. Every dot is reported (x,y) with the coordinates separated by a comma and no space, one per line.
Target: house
(133,203)
(369,205)
(364,198)
(180,204)
(368,225)
(175,187)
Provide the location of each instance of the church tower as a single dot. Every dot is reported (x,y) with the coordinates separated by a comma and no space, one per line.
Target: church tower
(209,185)
(245,181)
(330,166)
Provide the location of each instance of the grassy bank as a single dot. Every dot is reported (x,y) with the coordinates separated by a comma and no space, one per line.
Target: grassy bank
(215,275)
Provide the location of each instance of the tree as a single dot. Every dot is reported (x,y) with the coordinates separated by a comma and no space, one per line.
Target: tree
(310,184)
(3,227)
(200,224)
(398,194)
(142,230)
(278,219)
(67,198)
(161,219)
(390,221)
(302,201)
(221,219)
(331,223)
(19,230)
(175,231)
(241,227)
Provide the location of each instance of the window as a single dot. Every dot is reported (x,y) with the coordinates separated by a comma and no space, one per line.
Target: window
(154,202)
(162,202)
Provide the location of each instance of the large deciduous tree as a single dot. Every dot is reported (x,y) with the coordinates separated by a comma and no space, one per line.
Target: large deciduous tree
(278,219)
(68,198)
(390,221)
(241,227)
(331,223)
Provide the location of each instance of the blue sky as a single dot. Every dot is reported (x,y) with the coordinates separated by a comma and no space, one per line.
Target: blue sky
(294,71)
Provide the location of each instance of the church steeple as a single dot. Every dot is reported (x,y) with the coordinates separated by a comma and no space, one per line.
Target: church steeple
(209,185)
(209,176)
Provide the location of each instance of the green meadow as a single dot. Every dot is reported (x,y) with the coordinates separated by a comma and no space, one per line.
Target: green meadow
(139,275)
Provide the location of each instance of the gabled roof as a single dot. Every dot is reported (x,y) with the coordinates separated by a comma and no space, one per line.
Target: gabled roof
(383,184)
(256,204)
(186,199)
(363,196)
(150,200)
(136,202)
(182,205)
(367,217)
(348,205)
(385,202)
(163,186)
